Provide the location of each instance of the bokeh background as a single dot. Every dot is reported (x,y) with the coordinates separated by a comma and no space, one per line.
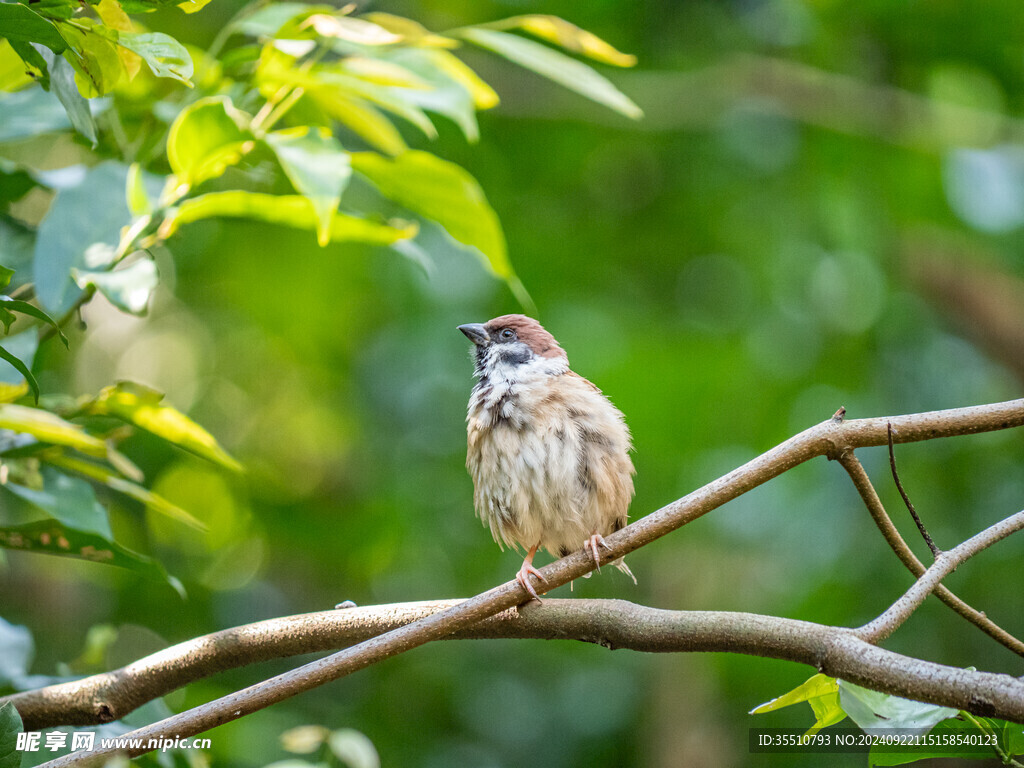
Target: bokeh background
(822,208)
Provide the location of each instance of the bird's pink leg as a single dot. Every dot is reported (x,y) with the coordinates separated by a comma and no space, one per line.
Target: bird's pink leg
(590,546)
(526,570)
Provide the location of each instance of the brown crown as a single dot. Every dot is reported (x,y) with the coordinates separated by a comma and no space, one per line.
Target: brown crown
(529,332)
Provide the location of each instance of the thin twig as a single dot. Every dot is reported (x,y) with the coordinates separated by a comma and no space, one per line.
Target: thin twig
(945,564)
(829,438)
(862,483)
(613,624)
(906,500)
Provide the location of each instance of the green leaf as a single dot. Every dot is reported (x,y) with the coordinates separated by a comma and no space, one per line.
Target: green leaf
(827,711)
(287,210)
(5,276)
(380,72)
(411,32)
(143,407)
(97,66)
(1013,738)
(165,56)
(49,428)
(17,241)
(146,6)
(555,66)
(13,66)
(30,112)
(958,734)
(871,709)
(814,686)
(10,727)
(821,692)
(456,92)
(62,80)
(116,20)
(20,23)
(68,500)
(55,9)
(444,192)
(15,305)
(350,29)
(317,167)
(115,482)
(128,288)
(266,21)
(568,36)
(361,118)
(23,370)
(191,6)
(207,137)
(135,191)
(32,61)
(79,231)
(397,101)
(23,346)
(51,538)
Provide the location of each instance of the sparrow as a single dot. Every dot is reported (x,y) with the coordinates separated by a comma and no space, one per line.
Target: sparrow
(547,451)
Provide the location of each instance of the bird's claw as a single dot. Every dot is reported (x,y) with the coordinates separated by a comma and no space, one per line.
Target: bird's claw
(523,577)
(590,546)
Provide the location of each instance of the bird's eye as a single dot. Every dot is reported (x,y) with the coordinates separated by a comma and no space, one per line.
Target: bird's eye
(507,334)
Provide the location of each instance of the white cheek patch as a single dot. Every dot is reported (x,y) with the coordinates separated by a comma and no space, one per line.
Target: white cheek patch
(502,375)
(516,363)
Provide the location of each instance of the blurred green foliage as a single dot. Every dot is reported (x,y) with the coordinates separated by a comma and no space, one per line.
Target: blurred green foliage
(764,246)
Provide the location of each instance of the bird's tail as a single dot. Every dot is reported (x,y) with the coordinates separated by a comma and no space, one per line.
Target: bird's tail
(621,565)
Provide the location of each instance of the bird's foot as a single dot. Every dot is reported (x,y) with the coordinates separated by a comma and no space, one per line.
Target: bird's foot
(590,547)
(523,577)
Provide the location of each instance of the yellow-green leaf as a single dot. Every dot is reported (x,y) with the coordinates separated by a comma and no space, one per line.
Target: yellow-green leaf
(288,210)
(484,97)
(362,119)
(568,36)
(11,392)
(47,427)
(191,6)
(444,192)
(135,191)
(165,56)
(381,72)
(359,31)
(554,65)
(144,407)
(113,15)
(207,137)
(410,31)
(115,482)
(317,167)
(97,66)
(821,692)
(816,685)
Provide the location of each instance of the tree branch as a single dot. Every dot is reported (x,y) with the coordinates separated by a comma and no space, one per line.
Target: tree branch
(830,438)
(613,624)
(944,564)
(862,483)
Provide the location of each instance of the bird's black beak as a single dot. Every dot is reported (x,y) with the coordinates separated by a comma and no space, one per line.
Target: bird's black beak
(476,333)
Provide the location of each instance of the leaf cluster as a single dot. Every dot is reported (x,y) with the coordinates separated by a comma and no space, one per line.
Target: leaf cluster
(832,701)
(299,115)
